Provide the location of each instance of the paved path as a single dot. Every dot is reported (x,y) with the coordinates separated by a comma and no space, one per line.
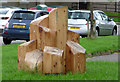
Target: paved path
(113,57)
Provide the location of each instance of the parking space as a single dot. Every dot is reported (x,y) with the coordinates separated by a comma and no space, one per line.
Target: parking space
(13,42)
(20,21)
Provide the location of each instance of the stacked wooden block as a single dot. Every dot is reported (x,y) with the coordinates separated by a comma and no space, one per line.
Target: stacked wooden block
(75,59)
(52,60)
(52,48)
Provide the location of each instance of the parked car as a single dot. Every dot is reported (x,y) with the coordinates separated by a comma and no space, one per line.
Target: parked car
(12,7)
(18,27)
(77,22)
(50,8)
(5,15)
(40,7)
(33,8)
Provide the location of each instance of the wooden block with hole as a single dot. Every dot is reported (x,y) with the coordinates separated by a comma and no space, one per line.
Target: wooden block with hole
(52,60)
(75,57)
(33,61)
(22,50)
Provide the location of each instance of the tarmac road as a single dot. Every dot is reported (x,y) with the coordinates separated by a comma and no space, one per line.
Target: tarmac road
(13,42)
(112,58)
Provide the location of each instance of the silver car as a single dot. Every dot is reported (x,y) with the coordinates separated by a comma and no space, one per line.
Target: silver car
(77,22)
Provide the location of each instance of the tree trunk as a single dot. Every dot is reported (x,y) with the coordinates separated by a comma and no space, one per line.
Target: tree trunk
(91,35)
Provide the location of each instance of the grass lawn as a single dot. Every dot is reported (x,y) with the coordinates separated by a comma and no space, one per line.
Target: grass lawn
(116,19)
(102,43)
(112,13)
(95,70)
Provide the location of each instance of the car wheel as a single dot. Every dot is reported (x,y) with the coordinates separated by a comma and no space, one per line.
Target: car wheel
(27,40)
(83,36)
(6,41)
(114,32)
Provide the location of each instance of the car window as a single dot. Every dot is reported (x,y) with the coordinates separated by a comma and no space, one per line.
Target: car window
(98,16)
(3,11)
(78,15)
(41,14)
(103,15)
(12,12)
(22,15)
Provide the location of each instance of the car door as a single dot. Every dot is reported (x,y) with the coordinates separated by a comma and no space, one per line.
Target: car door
(99,22)
(106,30)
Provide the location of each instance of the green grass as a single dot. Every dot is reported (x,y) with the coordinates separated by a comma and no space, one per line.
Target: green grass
(103,43)
(94,70)
(112,13)
(97,70)
(116,19)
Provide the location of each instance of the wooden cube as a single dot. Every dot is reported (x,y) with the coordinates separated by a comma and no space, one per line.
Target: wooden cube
(75,57)
(52,60)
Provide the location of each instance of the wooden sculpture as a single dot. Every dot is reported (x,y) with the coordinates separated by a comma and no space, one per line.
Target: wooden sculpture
(52,48)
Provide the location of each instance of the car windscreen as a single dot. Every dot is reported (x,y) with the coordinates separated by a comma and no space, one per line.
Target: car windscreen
(23,15)
(78,15)
(3,11)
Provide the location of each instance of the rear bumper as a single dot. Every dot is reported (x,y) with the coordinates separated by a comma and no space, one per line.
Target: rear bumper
(1,30)
(82,31)
(15,34)
(3,23)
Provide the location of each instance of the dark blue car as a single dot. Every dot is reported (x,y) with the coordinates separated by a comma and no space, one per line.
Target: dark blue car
(18,27)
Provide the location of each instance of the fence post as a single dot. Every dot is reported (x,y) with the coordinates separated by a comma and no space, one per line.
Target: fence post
(115,6)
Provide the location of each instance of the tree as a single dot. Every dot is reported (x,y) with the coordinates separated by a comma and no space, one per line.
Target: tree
(92,33)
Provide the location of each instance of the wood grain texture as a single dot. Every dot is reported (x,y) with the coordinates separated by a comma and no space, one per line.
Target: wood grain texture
(21,56)
(56,64)
(53,25)
(39,64)
(64,54)
(75,60)
(23,49)
(72,36)
(62,27)
(32,59)
(42,36)
(47,65)
(52,60)
(58,23)
(38,33)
